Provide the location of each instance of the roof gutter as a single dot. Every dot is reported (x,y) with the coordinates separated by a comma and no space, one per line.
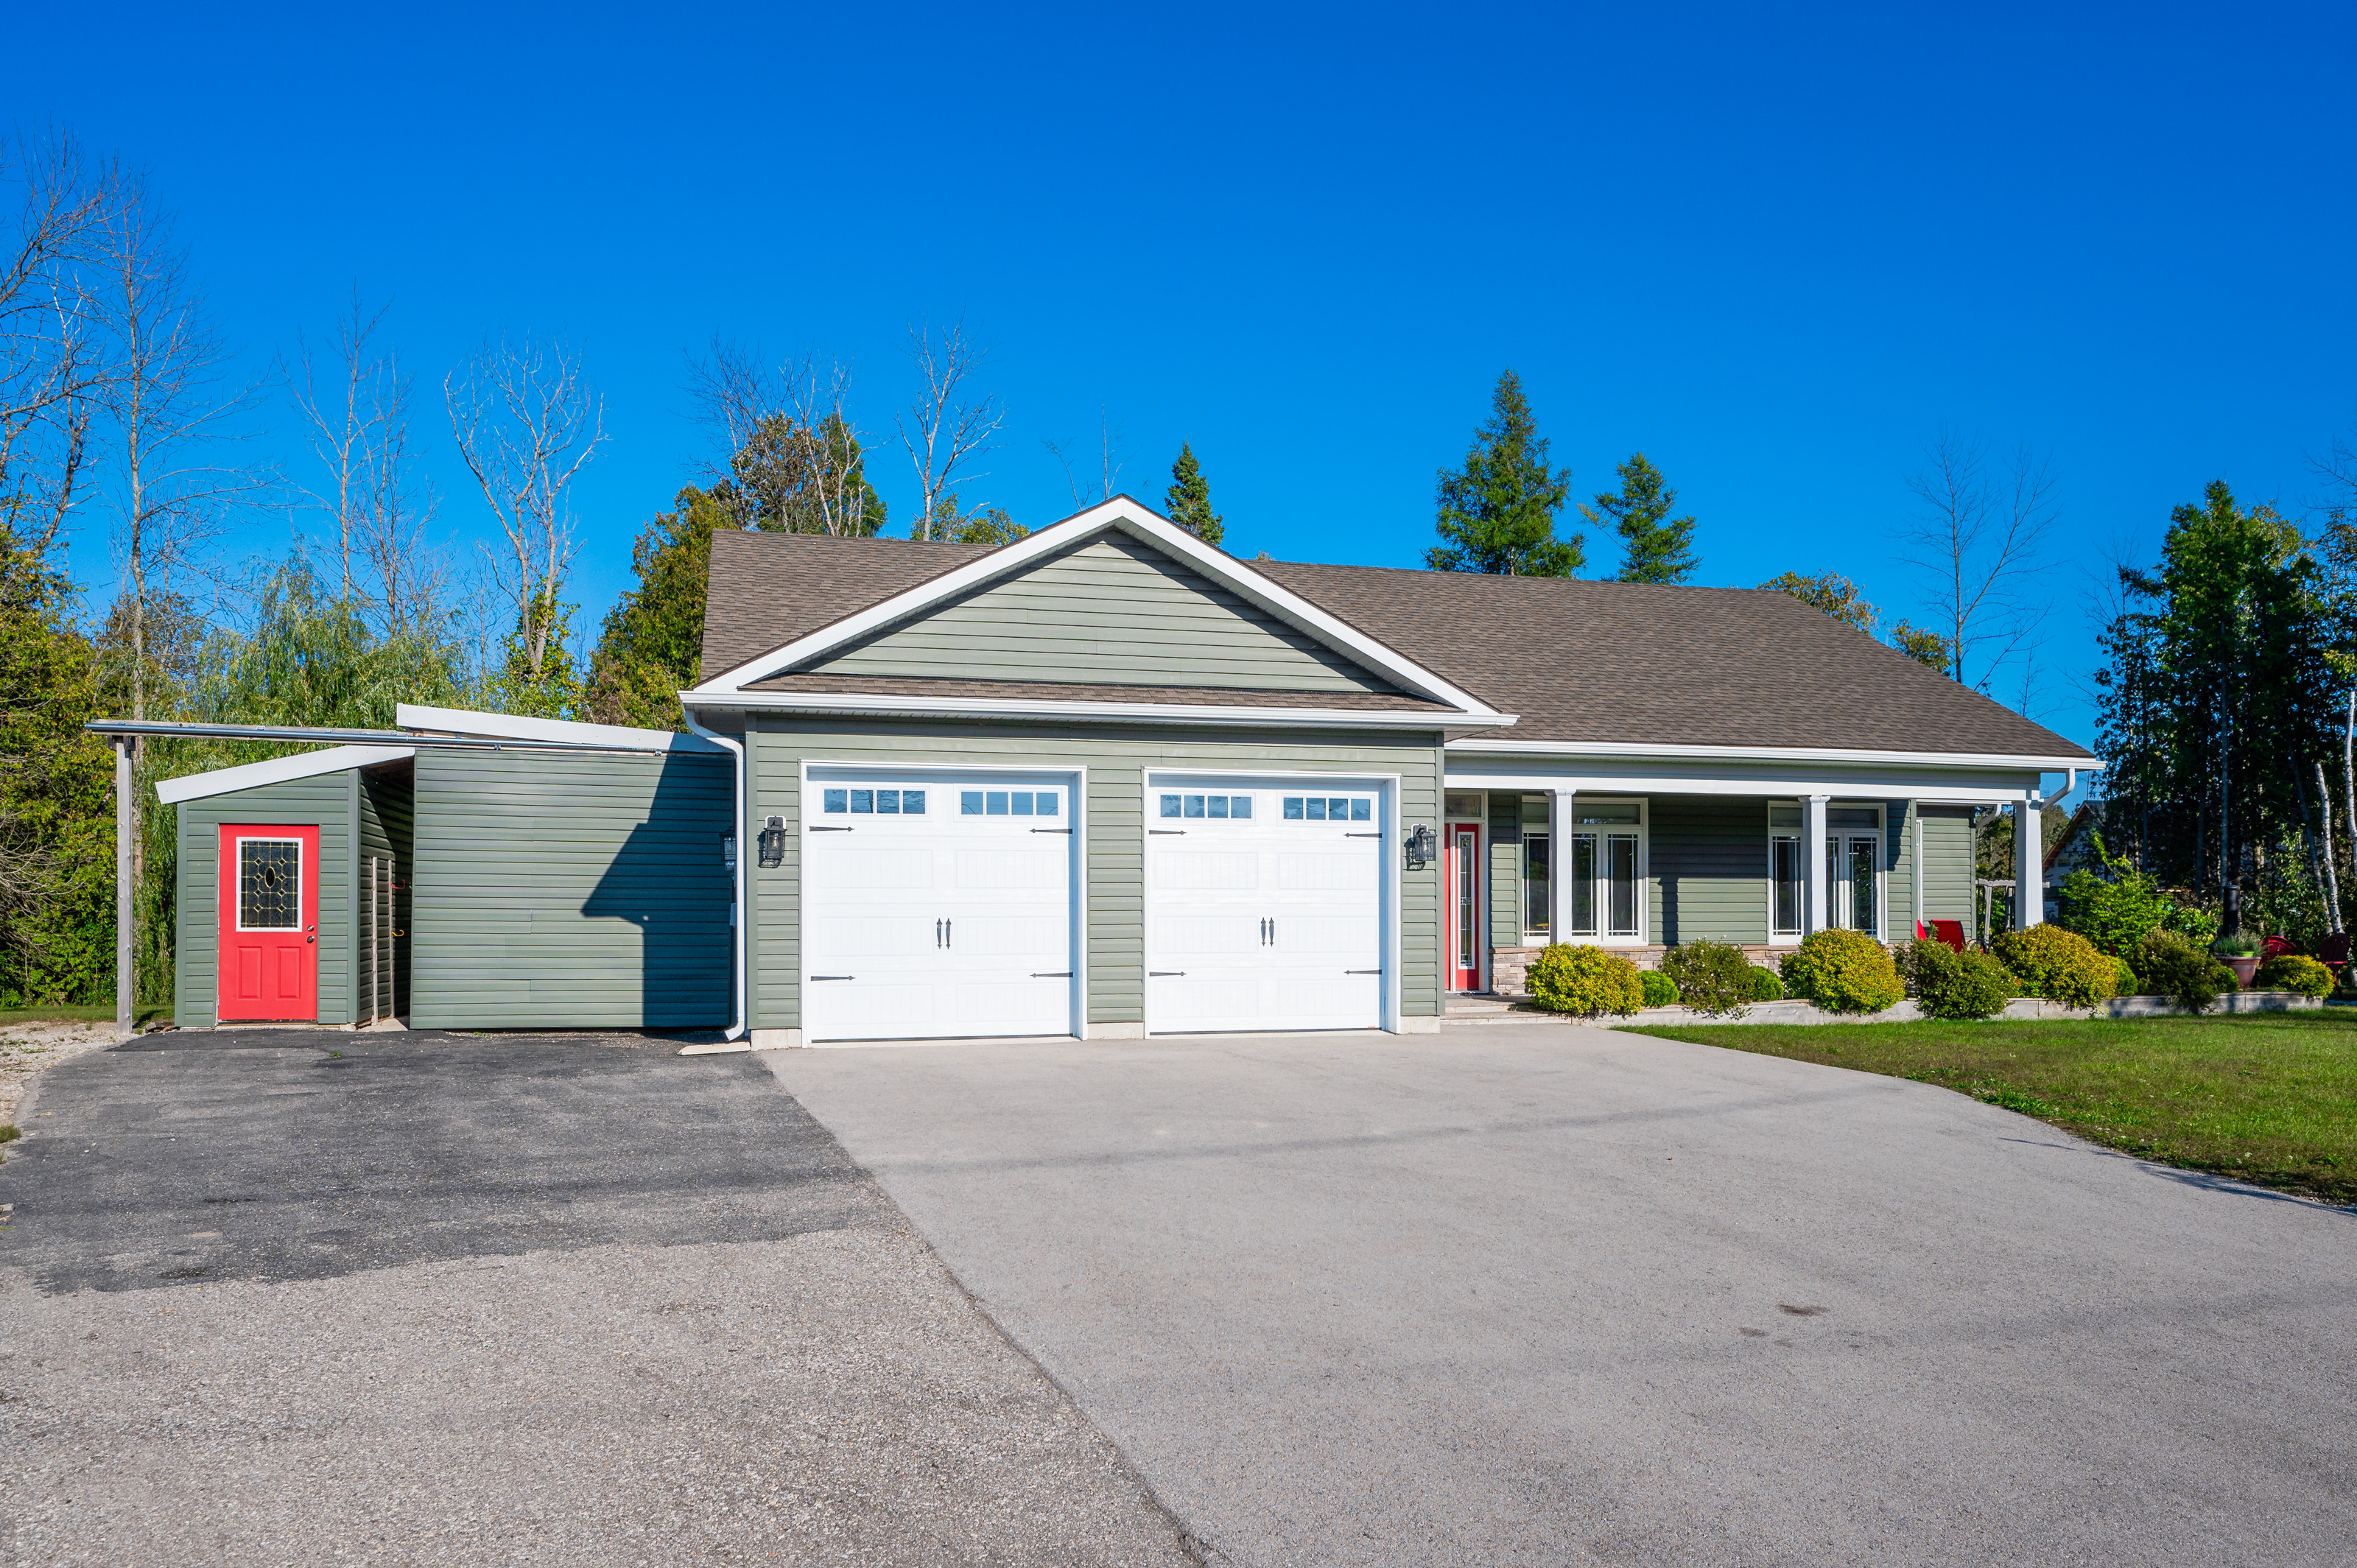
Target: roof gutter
(314,735)
(1649,751)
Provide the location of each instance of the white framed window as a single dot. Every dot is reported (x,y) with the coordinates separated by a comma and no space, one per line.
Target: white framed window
(1606,863)
(1856,890)
(269,884)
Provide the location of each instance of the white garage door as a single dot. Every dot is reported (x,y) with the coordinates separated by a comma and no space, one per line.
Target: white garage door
(1265,908)
(935,909)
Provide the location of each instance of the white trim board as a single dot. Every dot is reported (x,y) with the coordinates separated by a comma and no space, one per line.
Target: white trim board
(516,726)
(1127,516)
(277,771)
(885,705)
(1572,750)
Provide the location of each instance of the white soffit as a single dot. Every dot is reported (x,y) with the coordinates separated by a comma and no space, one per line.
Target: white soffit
(277,771)
(515,727)
(1640,751)
(885,704)
(1129,517)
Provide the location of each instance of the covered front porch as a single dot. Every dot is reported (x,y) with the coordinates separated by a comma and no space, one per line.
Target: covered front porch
(1639,855)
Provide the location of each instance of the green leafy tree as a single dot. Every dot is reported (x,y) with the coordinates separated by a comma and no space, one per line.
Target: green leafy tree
(651,644)
(549,687)
(792,477)
(2218,695)
(1188,501)
(57,845)
(1655,547)
(1497,513)
(991,525)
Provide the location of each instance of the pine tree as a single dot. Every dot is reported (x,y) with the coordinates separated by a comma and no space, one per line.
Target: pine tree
(653,641)
(1655,547)
(1188,501)
(1497,513)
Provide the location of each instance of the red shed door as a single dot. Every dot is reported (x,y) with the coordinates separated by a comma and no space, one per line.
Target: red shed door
(269,898)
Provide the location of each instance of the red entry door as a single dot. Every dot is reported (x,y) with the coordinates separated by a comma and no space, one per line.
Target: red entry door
(268,892)
(1464,897)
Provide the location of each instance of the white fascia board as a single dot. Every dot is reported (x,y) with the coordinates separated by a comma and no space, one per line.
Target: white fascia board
(1779,786)
(885,705)
(1574,750)
(516,726)
(277,771)
(1128,517)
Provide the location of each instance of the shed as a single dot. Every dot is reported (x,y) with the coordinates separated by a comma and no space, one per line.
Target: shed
(579,880)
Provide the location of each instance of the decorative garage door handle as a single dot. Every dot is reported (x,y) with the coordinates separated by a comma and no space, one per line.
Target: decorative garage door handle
(1057,975)
(820,829)
(1164,974)
(1362,835)
(1167,833)
(835,977)
(1051,830)
(1362,972)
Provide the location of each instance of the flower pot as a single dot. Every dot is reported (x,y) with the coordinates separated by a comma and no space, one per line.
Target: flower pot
(2244,968)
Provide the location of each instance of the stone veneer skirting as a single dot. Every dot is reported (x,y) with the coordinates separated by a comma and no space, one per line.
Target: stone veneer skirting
(1510,968)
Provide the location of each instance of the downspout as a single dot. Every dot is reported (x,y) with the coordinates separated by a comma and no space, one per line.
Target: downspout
(744,853)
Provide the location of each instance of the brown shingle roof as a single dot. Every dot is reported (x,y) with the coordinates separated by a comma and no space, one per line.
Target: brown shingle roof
(1577,661)
(1665,664)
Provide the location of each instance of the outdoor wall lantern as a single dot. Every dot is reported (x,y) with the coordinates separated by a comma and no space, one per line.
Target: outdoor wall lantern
(728,851)
(1418,845)
(773,843)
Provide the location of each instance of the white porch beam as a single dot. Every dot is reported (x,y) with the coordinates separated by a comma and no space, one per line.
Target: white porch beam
(2029,865)
(1559,823)
(1812,862)
(1467,773)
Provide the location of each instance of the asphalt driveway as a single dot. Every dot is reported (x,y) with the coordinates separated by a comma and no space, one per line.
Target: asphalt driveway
(1536,1293)
(275,1297)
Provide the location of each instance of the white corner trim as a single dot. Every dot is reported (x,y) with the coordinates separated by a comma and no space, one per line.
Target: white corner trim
(1127,516)
(277,771)
(1567,748)
(886,705)
(515,727)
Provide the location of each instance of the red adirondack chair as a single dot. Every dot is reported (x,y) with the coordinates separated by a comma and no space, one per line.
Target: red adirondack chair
(1949,931)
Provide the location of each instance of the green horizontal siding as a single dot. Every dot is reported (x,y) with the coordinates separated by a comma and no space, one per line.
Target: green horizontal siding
(569,891)
(1505,830)
(1116,761)
(1114,610)
(1948,893)
(1708,859)
(323,802)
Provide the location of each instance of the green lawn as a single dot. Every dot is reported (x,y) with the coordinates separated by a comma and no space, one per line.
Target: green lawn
(67,1013)
(2267,1098)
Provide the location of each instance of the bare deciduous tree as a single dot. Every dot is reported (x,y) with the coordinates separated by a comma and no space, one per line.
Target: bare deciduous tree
(526,421)
(382,510)
(947,427)
(1977,538)
(795,458)
(53,358)
(1109,442)
(169,418)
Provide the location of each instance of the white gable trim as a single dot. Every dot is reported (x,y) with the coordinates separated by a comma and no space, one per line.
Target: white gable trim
(277,771)
(889,705)
(1127,516)
(515,727)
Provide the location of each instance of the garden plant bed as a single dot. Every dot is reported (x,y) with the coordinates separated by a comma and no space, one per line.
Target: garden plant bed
(2267,1098)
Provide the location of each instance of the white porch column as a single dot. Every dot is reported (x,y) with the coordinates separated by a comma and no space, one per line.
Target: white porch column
(1559,869)
(1813,863)
(2028,867)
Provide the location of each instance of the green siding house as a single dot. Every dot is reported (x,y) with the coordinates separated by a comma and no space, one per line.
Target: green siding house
(1108,781)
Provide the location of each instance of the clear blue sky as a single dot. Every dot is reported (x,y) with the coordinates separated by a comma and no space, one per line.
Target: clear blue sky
(1775,252)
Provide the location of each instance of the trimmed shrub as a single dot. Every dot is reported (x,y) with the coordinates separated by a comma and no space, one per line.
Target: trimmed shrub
(1952,985)
(1584,980)
(2290,971)
(2060,965)
(1843,972)
(2127,984)
(1660,990)
(1711,977)
(1765,986)
(2169,966)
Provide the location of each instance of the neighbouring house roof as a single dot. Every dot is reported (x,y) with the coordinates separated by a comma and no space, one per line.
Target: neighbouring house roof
(1579,661)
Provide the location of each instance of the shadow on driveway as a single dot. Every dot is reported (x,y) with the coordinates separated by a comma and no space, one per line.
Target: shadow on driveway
(271,1155)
